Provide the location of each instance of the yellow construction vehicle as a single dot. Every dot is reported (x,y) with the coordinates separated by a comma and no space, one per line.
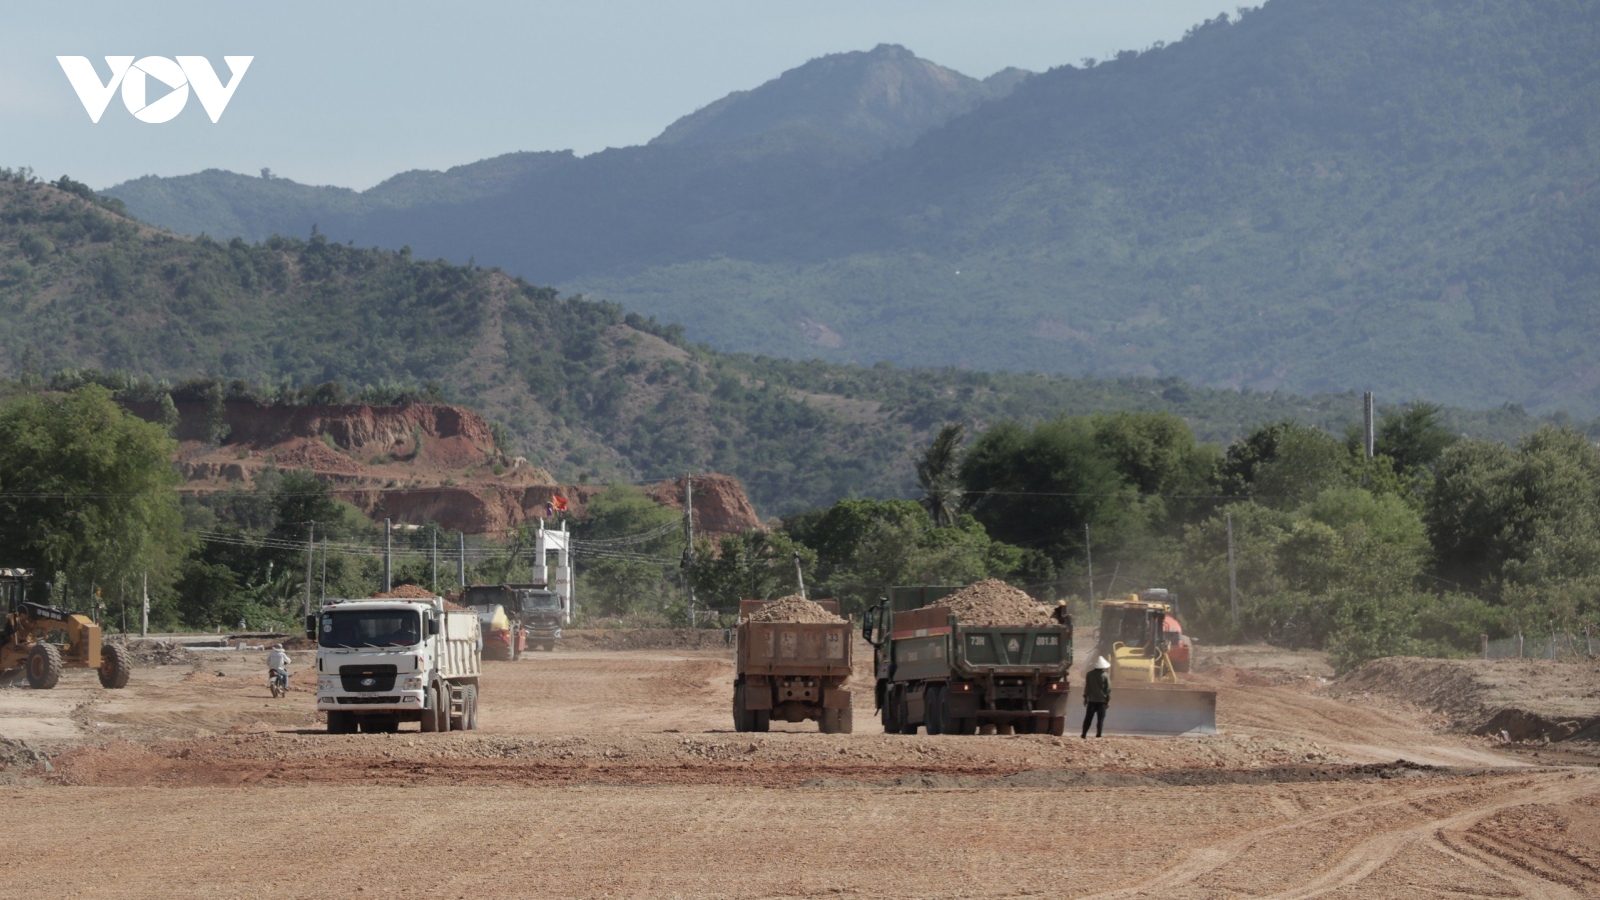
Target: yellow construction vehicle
(1134,638)
(25,639)
(1144,643)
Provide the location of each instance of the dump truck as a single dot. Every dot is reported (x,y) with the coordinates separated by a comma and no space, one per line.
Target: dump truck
(792,671)
(384,661)
(24,638)
(1138,636)
(530,616)
(950,677)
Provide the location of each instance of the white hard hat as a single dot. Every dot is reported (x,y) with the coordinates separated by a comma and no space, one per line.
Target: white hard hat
(1100,662)
(277,646)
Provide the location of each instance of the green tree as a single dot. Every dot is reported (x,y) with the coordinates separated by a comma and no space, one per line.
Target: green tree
(754,566)
(1284,465)
(939,476)
(1414,437)
(1038,488)
(89,492)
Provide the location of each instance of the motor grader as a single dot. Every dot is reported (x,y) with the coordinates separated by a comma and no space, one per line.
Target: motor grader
(25,644)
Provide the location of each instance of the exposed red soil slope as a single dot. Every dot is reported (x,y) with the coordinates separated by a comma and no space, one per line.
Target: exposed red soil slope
(415,463)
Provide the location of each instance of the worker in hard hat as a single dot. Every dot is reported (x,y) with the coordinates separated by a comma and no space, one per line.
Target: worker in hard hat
(1096,695)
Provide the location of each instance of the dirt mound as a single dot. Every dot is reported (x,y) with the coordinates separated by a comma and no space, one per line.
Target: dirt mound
(159,653)
(1077,778)
(794,608)
(993,602)
(1528,698)
(416,592)
(405,592)
(18,754)
(1521,725)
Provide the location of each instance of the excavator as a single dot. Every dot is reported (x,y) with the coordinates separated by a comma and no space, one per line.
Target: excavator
(1141,637)
(25,644)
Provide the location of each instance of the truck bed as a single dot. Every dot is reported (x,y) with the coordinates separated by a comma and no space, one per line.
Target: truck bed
(930,644)
(794,648)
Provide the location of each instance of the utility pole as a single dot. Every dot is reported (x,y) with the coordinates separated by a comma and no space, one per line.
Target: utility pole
(688,525)
(1088,556)
(799,576)
(388,555)
(1233,575)
(324,568)
(461,557)
(435,534)
(311,553)
(144,617)
(1369,409)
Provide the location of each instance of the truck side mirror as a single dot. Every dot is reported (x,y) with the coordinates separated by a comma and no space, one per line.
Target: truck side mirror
(433,625)
(869,621)
(311,626)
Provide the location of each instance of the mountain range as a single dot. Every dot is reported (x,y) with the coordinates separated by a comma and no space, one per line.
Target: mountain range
(582,389)
(1317,195)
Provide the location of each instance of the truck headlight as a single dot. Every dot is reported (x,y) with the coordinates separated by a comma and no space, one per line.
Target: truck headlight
(327,683)
(412,684)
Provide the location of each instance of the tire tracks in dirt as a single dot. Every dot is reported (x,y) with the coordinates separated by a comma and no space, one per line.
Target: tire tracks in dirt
(1447,813)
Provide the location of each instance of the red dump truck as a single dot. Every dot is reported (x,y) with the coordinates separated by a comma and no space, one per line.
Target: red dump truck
(792,671)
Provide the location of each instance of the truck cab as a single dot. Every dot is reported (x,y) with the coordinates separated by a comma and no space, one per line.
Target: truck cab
(541,617)
(385,661)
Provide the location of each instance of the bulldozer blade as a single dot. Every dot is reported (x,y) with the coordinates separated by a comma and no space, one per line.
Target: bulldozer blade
(1152,710)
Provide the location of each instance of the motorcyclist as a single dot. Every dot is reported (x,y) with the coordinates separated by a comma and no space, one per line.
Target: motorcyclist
(278,661)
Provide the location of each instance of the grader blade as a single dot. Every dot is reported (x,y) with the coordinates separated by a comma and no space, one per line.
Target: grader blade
(1152,710)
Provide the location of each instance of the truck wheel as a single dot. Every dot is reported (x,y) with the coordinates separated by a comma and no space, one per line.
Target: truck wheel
(846,721)
(1058,725)
(457,722)
(740,721)
(430,712)
(516,644)
(933,709)
(114,668)
(761,720)
(472,707)
(904,716)
(829,723)
(890,713)
(340,722)
(44,667)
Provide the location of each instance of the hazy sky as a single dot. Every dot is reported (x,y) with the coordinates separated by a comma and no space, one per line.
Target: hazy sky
(349,93)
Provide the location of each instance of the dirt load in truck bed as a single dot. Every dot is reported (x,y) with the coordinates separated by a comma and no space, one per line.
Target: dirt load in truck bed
(794,608)
(993,602)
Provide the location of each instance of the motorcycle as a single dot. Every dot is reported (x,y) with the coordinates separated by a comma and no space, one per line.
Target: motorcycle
(278,681)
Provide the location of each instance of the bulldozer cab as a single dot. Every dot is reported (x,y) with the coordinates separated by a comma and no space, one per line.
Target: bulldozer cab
(1132,638)
(1132,623)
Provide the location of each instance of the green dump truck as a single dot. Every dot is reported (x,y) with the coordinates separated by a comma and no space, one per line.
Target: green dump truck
(954,678)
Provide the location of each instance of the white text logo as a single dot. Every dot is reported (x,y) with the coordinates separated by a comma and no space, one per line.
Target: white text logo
(134,78)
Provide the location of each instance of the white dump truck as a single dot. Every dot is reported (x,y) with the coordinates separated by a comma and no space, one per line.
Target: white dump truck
(381,662)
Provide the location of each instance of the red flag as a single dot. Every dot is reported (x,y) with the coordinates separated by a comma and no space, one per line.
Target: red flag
(559,502)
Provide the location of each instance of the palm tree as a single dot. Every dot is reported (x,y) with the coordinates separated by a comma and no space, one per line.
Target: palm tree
(937,475)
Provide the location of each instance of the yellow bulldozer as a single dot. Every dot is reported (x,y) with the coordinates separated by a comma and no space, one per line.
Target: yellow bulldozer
(25,639)
(1141,638)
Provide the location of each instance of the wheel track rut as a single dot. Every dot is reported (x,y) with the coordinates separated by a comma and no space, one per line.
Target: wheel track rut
(1448,813)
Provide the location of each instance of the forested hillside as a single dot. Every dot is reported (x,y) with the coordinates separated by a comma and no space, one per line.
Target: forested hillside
(1317,195)
(581,387)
